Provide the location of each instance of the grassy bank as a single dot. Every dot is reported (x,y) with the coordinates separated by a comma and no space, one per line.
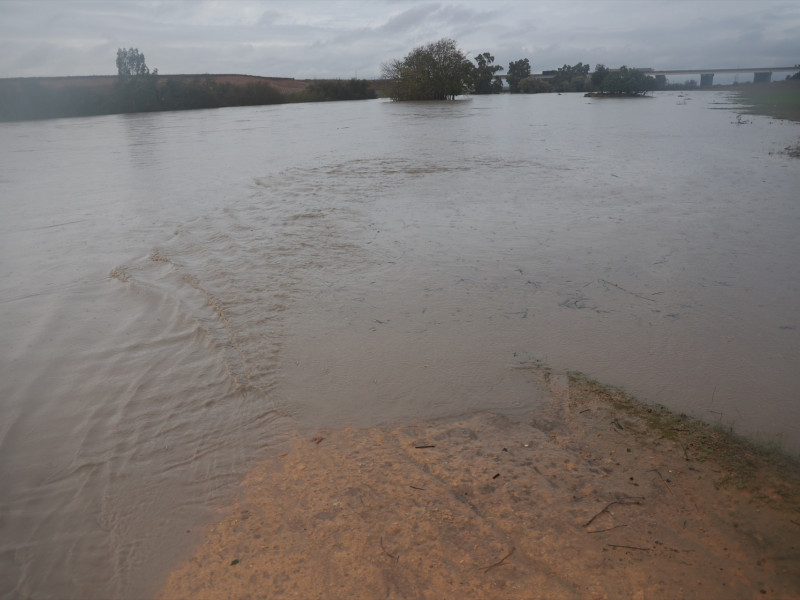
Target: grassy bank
(764,470)
(780,99)
(23,99)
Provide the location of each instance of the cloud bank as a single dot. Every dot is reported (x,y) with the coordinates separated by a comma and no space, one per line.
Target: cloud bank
(320,39)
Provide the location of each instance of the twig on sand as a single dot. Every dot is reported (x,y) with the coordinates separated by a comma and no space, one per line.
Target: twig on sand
(609,529)
(666,483)
(625,500)
(499,562)
(628,547)
(394,557)
(603,282)
(686,453)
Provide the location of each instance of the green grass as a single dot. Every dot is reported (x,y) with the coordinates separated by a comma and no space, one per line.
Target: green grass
(780,99)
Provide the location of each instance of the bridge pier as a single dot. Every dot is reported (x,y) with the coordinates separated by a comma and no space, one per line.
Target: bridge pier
(706,79)
(762,77)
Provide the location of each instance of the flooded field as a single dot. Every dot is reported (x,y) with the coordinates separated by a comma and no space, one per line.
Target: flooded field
(179,290)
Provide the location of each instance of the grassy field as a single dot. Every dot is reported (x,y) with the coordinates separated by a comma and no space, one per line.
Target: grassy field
(779,99)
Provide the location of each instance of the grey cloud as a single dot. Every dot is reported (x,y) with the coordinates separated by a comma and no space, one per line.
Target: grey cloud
(312,38)
(270,18)
(410,20)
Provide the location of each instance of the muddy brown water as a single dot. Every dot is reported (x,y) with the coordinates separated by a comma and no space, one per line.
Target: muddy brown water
(179,290)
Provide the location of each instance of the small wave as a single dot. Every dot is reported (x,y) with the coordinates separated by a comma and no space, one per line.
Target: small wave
(157,255)
(120,273)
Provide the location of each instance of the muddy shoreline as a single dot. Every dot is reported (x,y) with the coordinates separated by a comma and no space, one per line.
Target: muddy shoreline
(577,497)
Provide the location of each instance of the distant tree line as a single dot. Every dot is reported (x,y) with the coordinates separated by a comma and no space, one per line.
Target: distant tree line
(138,89)
(439,71)
(436,71)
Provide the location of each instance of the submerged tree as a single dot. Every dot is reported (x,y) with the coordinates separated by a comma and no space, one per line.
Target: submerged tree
(484,78)
(517,71)
(599,77)
(623,81)
(325,90)
(436,71)
(534,85)
(571,78)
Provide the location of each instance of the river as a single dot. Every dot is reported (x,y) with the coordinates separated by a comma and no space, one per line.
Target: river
(180,290)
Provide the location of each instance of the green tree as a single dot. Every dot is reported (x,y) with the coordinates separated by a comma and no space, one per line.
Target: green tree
(571,78)
(484,78)
(517,71)
(130,63)
(436,71)
(630,82)
(136,88)
(534,85)
(599,77)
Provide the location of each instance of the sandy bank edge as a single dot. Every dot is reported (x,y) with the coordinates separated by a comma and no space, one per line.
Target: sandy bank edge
(582,498)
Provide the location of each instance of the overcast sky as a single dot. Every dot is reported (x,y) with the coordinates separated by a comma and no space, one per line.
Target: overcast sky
(327,38)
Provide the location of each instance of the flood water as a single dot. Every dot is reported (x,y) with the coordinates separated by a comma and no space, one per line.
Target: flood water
(179,290)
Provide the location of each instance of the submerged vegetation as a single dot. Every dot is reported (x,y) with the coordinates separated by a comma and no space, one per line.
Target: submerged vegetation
(793,151)
(440,71)
(435,71)
(332,90)
(622,81)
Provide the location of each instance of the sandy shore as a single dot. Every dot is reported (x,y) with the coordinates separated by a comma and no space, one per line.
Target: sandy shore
(576,499)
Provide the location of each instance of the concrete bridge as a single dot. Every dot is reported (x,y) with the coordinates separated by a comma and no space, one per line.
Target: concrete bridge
(760,74)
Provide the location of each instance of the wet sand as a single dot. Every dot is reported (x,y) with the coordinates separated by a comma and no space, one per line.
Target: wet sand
(575,499)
